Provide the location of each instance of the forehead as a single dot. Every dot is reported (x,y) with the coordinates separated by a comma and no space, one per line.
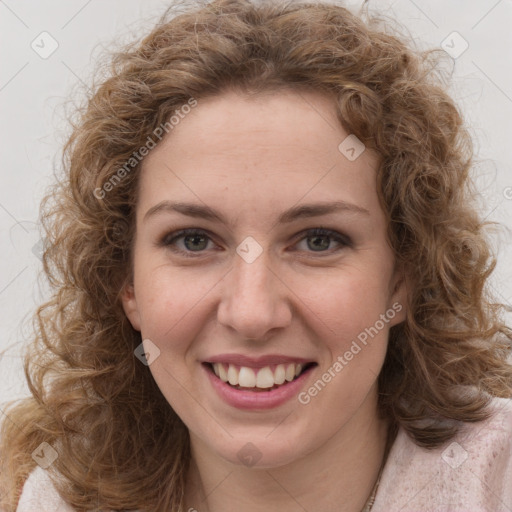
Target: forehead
(276,147)
(235,124)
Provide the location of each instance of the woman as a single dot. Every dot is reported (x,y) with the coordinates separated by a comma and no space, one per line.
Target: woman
(269,283)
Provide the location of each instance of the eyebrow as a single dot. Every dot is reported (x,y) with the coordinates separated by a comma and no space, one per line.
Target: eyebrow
(294,213)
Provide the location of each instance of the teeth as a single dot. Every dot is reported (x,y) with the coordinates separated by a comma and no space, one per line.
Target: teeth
(220,371)
(280,374)
(247,377)
(223,374)
(290,372)
(232,375)
(263,378)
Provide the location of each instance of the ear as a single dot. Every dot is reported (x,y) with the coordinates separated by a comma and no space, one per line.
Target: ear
(398,299)
(130,305)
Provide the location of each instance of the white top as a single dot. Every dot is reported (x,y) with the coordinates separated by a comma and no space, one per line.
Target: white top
(472,473)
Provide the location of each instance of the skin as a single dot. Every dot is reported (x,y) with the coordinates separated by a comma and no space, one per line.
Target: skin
(252,158)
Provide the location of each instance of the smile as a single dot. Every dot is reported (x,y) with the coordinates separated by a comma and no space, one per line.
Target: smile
(258,379)
(257,383)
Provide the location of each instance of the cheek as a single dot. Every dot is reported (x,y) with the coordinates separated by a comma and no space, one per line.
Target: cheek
(354,319)
(170,302)
(352,313)
(166,296)
(348,302)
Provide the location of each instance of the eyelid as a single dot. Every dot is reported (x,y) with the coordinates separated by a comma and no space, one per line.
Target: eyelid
(169,238)
(321,231)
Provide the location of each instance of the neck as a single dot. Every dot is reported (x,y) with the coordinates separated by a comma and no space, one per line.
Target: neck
(338,476)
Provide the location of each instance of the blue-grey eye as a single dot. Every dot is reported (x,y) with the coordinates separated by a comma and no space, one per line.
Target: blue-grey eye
(196,242)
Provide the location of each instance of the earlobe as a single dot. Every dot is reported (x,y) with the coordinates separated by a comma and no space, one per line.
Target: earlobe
(130,306)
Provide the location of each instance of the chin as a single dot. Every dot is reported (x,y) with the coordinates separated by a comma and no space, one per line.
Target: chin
(262,451)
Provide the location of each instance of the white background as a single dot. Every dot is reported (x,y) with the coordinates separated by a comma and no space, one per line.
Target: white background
(33,123)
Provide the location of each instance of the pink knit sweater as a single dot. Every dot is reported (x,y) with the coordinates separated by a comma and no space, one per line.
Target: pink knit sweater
(472,473)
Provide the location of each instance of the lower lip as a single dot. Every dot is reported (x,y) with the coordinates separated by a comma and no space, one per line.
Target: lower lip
(253,400)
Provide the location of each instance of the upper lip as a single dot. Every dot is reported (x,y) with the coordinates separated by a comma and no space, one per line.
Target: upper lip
(256,362)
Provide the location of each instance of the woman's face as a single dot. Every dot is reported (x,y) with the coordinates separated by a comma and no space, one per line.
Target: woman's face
(254,289)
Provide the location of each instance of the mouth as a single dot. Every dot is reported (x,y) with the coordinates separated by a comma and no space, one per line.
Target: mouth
(258,379)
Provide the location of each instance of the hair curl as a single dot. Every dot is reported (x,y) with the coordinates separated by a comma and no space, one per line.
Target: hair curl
(120,444)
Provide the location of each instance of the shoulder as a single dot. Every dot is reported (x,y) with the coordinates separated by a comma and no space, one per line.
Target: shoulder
(40,494)
(472,472)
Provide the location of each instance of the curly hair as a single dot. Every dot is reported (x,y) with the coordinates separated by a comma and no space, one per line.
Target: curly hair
(120,445)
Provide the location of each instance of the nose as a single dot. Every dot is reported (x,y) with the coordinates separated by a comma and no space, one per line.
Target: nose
(254,299)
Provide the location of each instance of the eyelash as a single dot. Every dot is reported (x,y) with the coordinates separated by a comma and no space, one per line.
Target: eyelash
(170,239)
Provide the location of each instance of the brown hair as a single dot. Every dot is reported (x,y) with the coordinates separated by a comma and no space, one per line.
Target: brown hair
(120,444)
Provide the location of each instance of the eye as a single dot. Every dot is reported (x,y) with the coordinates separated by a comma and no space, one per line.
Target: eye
(320,239)
(194,241)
